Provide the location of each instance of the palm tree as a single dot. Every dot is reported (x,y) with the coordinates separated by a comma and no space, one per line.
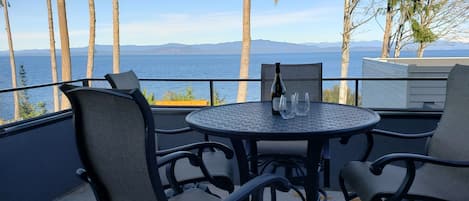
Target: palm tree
(53,58)
(89,68)
(387,30)
(12,59)
(65,46)
(245,51)
(115,48)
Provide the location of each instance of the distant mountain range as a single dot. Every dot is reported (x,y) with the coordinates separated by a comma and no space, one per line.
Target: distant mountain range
(257,47)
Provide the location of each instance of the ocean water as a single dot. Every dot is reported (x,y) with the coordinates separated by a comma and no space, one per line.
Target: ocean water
(181,66)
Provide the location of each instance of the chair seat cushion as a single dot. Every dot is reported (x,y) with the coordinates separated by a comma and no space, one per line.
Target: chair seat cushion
(297,148)
(216,163)
(194,195)
(430,181)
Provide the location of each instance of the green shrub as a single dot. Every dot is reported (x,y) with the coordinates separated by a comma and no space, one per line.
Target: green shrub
(28,109)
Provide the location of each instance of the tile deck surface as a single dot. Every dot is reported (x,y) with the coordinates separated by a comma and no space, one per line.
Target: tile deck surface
(84,193)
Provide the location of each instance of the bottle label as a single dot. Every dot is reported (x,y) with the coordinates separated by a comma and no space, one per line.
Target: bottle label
(275,103)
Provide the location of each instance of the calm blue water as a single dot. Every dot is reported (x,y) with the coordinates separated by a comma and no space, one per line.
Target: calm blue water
(180,66)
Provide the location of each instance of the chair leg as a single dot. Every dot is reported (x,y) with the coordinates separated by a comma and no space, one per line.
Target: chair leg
(327,173)
(288,172)
(273,194)
(343,188)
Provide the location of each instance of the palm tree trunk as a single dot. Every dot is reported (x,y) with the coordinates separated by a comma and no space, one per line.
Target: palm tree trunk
(53,58)
(65,47)
(245,51)
(387,31)
(345,52)
(12,61)
(89,68)
(116,48)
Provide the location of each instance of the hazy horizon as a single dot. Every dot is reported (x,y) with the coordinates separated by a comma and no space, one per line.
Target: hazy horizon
(260,39)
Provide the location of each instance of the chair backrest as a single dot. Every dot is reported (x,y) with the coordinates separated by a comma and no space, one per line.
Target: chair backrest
(297,78)
(451,138)
(116,144)
(124,80)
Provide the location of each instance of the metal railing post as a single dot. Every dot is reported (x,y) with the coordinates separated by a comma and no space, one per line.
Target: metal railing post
(356,92)
(85,82)
(212,98)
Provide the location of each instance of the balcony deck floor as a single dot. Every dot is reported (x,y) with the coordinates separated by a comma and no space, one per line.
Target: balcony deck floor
(84,193)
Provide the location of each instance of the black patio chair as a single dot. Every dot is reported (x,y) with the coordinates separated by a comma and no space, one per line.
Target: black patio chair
(124,80)
(444,174)
(291,155)
(116,143)
(218,165)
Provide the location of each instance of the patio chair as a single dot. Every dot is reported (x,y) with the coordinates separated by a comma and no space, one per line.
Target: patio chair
(444,174)
(116,143)
(218,165)
(129,80)
(124,80)
(299,78)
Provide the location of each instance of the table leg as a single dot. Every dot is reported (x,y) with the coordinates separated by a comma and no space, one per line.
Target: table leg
(243,164)
(253,156)
(312,165)
(241,157)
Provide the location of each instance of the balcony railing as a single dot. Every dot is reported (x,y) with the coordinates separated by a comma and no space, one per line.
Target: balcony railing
(354,83)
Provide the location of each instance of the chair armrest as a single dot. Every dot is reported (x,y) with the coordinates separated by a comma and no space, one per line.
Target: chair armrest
(174,156)
(258,183)
(195,160)
(378,165)
(173,131)
(370,139)
(200,146)
(402,135)
(171,159)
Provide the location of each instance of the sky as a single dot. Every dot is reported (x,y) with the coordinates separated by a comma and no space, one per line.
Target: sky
(155,22)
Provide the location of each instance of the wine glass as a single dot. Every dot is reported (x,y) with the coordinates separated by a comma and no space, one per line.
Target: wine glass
(302,105)
(287,111)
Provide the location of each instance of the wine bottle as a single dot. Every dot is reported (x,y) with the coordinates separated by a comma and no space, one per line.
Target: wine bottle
(278,89)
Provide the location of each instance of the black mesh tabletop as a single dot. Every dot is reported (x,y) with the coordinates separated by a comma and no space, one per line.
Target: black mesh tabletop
(255,120)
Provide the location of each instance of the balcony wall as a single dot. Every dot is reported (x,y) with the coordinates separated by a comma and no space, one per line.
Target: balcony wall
(38,163)
(407,94)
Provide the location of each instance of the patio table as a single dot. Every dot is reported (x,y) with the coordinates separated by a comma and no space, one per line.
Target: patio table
(254,121)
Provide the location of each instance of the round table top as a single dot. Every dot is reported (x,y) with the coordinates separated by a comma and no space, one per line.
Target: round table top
(254,120)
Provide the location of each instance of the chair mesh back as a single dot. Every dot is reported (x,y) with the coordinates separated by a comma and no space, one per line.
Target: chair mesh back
(451,139)
(111,136)
(125,80)
(299,78)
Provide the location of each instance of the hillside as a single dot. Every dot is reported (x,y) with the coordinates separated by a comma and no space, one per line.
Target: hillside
(257,47)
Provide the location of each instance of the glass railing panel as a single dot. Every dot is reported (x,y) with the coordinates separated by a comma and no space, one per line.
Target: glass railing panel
(404,94)
(99,84)
(226,92)
(176,93)
(331,89)
(31,103)
(7,110)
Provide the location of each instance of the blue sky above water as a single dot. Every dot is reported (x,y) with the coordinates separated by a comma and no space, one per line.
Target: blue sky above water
(152,22)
